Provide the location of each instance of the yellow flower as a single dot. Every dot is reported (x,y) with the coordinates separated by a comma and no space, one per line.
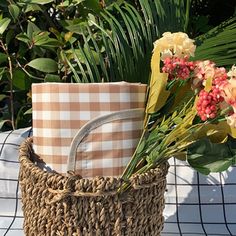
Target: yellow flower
(175,44)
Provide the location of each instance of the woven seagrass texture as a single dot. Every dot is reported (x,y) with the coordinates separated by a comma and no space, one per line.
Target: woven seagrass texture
(58,205)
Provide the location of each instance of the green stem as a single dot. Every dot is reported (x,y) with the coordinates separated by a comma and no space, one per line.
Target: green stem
(11,92)
(4,47)
(134,160)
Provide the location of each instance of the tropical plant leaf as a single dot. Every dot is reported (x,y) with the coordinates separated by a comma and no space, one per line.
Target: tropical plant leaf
(206,157)
(165,16)
(76,75)
(127,35)
(218,44)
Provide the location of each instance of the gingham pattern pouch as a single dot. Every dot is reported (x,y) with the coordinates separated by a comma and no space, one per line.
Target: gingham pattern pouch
(61,109)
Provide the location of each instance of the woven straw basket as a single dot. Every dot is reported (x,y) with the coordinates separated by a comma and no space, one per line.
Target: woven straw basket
(54,204)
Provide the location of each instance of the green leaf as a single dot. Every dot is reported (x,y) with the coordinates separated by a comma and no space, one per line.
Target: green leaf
(218,44)
(76,26)
(64,4)
(14,11)
(140,147)
(32,29)
(47,65)
(52,78)
(207,157)
(4,24)
(49,42)
(76,76)
(33,7)
(69,4)
(79,61)
(2,96)
(24,38)
(10,35)
(41,2)
(43,39)
(177,120)
(20,80)
(2,71)
(28,112)
(3,57)
(164,128)
(78,1)
(92,5)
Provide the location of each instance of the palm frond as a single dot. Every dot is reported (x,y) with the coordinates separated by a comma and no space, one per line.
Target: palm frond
(121,39)
(219,44)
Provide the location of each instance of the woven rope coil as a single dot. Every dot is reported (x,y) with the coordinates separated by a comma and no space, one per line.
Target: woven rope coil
(59,205)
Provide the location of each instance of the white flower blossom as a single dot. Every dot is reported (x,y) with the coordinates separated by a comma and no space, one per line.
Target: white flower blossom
(175,44)
(232,72)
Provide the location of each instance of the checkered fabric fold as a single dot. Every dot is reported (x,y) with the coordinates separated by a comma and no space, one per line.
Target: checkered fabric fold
(61,109)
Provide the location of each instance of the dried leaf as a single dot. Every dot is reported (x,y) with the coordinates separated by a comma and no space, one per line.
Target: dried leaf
(232,131)
(182,95)
(208,84)
(217,133)
(158,93)
(180,156)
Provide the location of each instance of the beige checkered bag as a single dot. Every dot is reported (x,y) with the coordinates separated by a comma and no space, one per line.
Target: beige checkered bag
(60,110)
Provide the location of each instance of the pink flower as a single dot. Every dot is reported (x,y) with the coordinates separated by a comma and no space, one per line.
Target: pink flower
(228,92)
(178,68)
(220,77)
(203,70)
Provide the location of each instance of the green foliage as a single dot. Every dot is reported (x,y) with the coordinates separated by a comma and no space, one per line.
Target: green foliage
(73,41)
(33,35)
(206,157)
(46,65)
(4,24)
(219,44)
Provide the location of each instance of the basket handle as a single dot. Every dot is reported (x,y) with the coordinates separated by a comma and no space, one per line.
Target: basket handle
(95,123)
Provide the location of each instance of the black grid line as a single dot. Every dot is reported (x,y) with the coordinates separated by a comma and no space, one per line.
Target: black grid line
(176,200)
(199,186)
(4,142)
(9,144)
(16,207)
(197,204)
(193,234)
(223,206)
(199,223)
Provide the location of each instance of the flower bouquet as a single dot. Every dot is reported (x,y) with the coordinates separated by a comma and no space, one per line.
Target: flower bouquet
(190,111)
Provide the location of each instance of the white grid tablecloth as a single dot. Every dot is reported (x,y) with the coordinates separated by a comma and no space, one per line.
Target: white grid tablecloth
(196,205)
